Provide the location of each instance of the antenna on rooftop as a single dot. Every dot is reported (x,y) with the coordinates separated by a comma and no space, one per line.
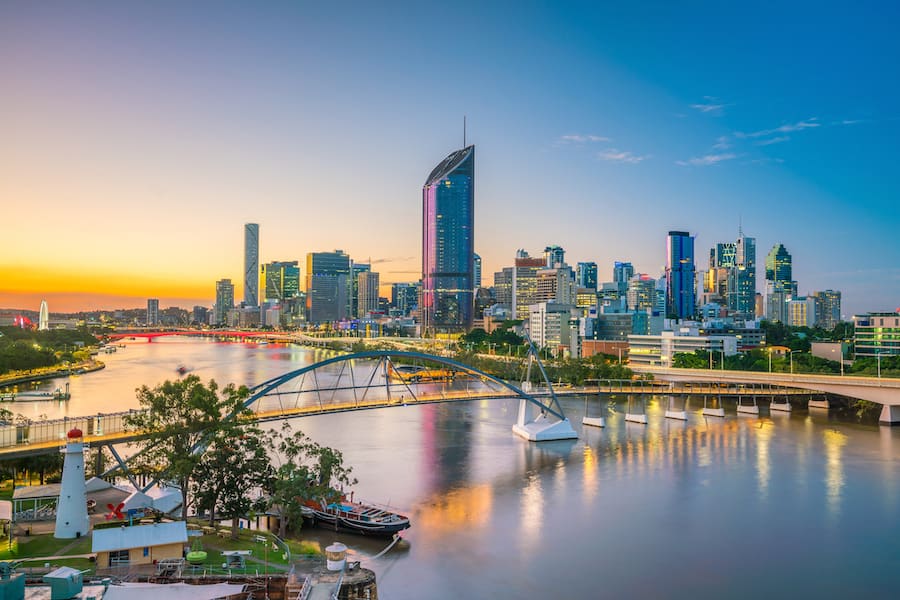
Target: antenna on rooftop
(464,131)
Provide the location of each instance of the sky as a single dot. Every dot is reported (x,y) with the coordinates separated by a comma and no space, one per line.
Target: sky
(138,138)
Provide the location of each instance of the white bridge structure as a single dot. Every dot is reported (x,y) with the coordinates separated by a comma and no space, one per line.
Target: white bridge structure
(881,390)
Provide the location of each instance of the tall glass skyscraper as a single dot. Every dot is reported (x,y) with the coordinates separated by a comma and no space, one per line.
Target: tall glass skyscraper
(327,274)
(742,277)
(680,289)
(251,264)
(448,244)
(586,275)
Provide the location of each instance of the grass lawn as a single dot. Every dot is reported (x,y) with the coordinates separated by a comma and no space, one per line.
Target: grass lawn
(37,546)
(262,553)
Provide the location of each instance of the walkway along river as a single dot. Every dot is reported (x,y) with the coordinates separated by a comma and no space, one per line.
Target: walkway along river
(802,504)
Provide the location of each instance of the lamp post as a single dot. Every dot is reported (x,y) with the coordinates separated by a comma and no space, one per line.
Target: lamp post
(878,357)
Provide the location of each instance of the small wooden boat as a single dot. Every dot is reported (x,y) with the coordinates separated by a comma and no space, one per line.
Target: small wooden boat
(356,517)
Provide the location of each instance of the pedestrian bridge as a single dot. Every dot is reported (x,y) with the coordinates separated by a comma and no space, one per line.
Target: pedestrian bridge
(884,391)
(348,382)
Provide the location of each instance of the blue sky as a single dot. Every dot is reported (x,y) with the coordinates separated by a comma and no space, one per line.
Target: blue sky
(162,128)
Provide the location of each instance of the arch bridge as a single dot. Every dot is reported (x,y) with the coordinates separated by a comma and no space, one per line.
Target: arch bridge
(347,382)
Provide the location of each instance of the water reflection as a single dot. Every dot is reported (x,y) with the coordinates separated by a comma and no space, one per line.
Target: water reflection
(834,469)
(531,511)
(764,434)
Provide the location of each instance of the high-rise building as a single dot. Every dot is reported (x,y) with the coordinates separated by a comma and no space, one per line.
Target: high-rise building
(828,308)
(404,297)
(622,272)
(524,284)
(477,272)
(251,264)
(642,293)
(152,312)
(367,300)
(279,280)
(554,256)
(722,260)
(780,286)
(555,285)
(586,275)
(680,290)
(742,278)
(327,274)
(503,286)
(356,269)
(224,301)
(448,244)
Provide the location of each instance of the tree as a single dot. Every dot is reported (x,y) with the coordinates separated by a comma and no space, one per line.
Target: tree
(180,420)
(308,472)
(227,474)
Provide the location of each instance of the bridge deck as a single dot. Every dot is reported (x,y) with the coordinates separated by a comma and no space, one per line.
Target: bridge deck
(48,436)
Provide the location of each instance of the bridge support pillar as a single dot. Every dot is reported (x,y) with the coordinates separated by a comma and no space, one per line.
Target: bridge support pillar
(543,427)
(777,406)
(673,412)
(890,415)
(819,403)
(709,411)
(636,417)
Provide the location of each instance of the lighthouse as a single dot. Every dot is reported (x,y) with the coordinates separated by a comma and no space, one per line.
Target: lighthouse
(71,511)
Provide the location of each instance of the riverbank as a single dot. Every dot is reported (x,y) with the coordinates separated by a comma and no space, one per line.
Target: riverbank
(32,375)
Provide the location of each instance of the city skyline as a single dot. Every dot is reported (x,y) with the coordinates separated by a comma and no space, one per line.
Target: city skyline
(150,134)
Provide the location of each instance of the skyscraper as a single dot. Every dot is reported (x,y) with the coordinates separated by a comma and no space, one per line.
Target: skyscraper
(477,271)
(524,283)
(152,312)
(622,272)
(554,256)
(742,278)
(224,301)
(367,300)
(280,280)
(586,275)
(251,264)
(780,286)
(680,290)
(448,242)
(356,269)
(327,274)
(828,308)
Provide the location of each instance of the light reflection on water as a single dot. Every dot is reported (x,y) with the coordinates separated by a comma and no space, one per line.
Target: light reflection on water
(494,516)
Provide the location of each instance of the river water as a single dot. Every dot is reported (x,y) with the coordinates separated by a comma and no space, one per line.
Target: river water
(800,505)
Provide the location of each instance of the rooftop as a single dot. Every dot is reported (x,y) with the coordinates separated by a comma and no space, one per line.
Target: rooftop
(139,536)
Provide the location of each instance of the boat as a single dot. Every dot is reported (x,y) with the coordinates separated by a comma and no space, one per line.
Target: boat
(181,370)
(356,517)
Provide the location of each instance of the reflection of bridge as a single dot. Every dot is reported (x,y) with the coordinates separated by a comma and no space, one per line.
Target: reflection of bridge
(349,382)
(884,391)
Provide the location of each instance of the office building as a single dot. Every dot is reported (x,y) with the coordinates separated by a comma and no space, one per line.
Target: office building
(503,285)
(152,312)
(552,325)
(555,285)
(356,269)
(680,290)
(622,272)
(660,350)
(524,283)
(224,301)
(367,295)
(780,286)
(200,316)
(553,256)
(477,271)
(448,242)
(404,297)
(251,264)
(742,278)
(801,311)
(279,281)
(877,334)
(828,308)
(327,276)
(641,294)
(586,275)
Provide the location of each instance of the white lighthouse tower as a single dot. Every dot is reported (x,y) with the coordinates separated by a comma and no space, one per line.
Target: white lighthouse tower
(71,511)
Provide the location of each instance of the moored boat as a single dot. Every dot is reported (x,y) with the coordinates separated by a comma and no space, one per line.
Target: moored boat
(357,517)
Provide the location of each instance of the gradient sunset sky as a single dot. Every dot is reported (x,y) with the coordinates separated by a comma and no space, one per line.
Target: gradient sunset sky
(138,139)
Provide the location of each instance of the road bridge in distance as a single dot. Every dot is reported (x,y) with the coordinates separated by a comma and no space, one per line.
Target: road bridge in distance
(881,390)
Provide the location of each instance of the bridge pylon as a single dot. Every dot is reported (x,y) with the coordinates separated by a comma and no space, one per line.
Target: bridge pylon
(543,423)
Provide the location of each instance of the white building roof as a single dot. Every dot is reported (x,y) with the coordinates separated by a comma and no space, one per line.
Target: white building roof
(139,536)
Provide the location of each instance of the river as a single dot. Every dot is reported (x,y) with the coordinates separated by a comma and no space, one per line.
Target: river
(799,505)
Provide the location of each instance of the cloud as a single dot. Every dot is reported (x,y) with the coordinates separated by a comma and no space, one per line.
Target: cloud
(709,106)
(577,138)
(722,143)
(787,128)
(774,140)
(764,161)
(707,160)
(622,156)
(392,259)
